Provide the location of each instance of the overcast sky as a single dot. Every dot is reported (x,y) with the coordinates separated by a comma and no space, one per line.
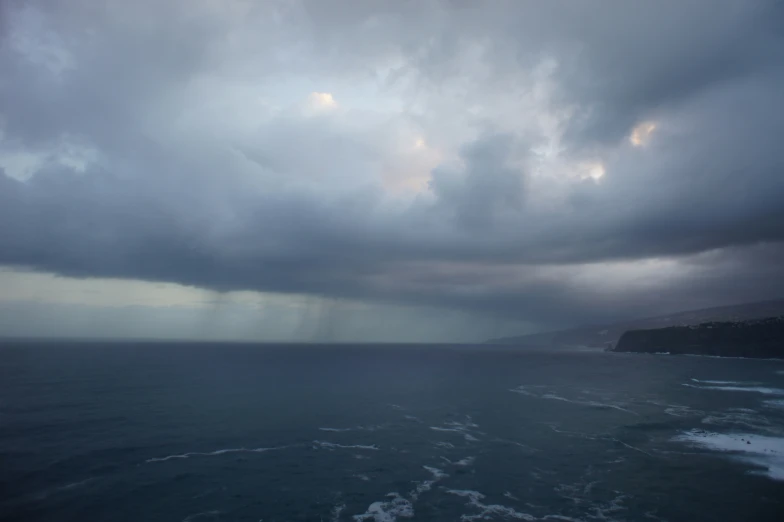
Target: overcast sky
(385,170)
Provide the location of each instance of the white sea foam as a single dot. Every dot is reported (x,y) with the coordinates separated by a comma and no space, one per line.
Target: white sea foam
(356,428)
(446,445)
(726,357)
(213,453)
(737,383)
(676,410)
(748,418)
(465,462)
(553,396)
(74,485)
(762,451)
(65,487)
(388,511)
(524,390)
(519,444)
(464,428)
(426,485)
(332,445)
(775,403)
(336,511)
(753,389)
(362,476)
(469,423)
(574,433)
(473,496)
(487,511)
(571,492)
(509,495)
(211,514)
(605,510)
(437,473)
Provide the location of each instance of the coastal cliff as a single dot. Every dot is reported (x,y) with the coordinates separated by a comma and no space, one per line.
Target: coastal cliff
(763,338)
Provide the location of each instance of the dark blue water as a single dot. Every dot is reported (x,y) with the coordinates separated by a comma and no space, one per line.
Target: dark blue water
(211,432)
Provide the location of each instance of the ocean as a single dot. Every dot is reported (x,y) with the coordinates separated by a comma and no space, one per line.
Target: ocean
(202,432)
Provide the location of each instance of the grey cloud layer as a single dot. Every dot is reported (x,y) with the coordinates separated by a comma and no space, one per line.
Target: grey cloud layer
(291,203)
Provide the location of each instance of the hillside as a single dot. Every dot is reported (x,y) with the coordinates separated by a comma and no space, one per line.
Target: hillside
(762,338)
(609,334)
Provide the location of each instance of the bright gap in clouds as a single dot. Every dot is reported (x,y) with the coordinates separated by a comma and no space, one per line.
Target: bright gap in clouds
(322,100)
(641,134)
(594,170)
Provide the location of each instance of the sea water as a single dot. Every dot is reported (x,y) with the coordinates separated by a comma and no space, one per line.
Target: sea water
(201,432)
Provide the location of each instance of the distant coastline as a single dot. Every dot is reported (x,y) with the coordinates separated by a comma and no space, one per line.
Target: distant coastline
(607,336)
(758,339)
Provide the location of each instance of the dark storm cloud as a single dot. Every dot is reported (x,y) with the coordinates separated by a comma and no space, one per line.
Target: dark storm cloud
(486,189)
(159,207)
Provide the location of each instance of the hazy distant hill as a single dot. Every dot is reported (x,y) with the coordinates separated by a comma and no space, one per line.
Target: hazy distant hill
(762,338)
(604,335)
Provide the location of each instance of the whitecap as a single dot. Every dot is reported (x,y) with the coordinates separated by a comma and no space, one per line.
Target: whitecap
(469,423)
(473,496)
(739,383)
(523,390)
(335,429)
(748,418)
(486,511)
(212,453)
(676,410)
(465,462)
(459,427)
(203,514)
(336,511)
(763,451)
(437,473)
(426,485)
(775,403)
(74,485)
(332,445)
(552,396)
(602,512)
(755,389)
(388,511)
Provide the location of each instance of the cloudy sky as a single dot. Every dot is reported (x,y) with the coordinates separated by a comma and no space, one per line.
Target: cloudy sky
(385,170)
